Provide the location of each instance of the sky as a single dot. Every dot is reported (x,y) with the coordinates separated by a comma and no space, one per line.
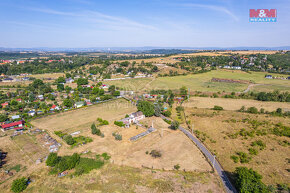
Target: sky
(139,23)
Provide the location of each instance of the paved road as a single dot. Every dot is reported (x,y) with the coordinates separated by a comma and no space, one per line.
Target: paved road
(227,184)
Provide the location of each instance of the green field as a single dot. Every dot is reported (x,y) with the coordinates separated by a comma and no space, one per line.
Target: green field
(202,82)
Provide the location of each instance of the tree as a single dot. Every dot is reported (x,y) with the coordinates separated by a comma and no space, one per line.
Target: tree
(82,81)
(69,139)
(3,117)
(52,159)
(147,108)
(37,83)
(19,185)
(116,93)
(183,91)
(73,160)
(67,102)
(95,130)
(174,125)
(112,89)
(60,87)
(248,180)
(60,80)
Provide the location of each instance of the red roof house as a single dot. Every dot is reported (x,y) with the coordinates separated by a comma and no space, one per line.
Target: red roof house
(4,104)
(14,125)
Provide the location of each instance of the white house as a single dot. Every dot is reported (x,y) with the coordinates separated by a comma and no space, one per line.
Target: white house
(133,118)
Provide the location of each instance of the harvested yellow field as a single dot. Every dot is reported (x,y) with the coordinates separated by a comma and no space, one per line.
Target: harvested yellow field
(234,104)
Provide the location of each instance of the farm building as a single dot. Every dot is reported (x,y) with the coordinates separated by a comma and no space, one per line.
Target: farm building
(18,125)
(133,118)
(79,104)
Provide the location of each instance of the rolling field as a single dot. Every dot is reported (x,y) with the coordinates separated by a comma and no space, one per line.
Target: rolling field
(222,134)
(202,82)
(174,146)
(234,104)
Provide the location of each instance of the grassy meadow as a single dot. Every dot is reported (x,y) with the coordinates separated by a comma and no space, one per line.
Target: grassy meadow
(202,82)
(226,133)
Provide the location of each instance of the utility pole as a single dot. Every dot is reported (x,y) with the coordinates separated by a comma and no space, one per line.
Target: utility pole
(192,128)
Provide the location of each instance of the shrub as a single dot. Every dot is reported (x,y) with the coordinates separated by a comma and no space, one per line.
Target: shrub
(253,110)
(174,125)
(166,113)
(177,166)
(248,180)
(52,159)
(119,123)
(86,165)
(218,108)
(167,121)
(244,157)
(106,156)
(146,107)
(95,130)
(19,185)
(235,158)
(117,136)
(155,154)
(103,122)
(253,151)
(259,143)
(69,139)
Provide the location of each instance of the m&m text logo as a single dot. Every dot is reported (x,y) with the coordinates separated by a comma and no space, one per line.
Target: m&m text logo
(263,15)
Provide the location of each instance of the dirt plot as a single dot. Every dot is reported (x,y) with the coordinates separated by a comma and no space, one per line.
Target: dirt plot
(234,104)
(218,131)
(175,147)
(22,151)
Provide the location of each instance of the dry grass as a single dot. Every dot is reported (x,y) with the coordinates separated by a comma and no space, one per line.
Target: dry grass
(113,178)
(271,162)
(174,146)
(234,104)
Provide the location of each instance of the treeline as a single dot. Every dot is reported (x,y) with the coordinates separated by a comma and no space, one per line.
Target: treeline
(273,96)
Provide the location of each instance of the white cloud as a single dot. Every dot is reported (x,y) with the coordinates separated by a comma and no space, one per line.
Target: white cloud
(94,16)
(213,7)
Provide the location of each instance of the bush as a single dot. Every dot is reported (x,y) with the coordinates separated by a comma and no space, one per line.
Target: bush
(235,158)
(167,121)
(252,110)
(103,122)
(95,130)
(248,180)
(259,143)
(253,151)
(117,136)
(119,123)
(166,113)
(86,165)
(19,185)
(177,166)
(174,125)
(69,139)
(244,157)
(155,154)
(52,159)
(146,107)
(218,108)
(106,156)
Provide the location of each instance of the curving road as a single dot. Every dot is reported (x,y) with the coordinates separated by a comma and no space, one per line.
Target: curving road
(226,182)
